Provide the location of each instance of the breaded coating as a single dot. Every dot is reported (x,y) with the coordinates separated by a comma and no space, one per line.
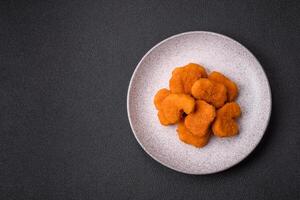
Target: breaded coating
(225,124)
(199,121)
(232,89)
(174,105)
(162,118)
(187,137)
(160,96)
(209,91)
(184,77)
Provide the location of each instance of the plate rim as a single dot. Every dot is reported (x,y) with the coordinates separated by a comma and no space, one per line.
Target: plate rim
(130,87)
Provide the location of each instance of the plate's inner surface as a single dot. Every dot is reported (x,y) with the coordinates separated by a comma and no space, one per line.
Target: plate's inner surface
(214,52)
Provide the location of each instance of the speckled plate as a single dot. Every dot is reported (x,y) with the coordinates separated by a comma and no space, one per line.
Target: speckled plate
(215,52)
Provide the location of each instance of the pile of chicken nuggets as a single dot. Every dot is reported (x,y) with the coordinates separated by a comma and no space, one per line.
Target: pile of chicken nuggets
(200,104)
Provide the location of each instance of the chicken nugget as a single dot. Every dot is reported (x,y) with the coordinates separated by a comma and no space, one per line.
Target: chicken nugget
(184,77)
(162,118)
(232,89)
(187,137)
(225,124)
(210,91)
(198,122)
(174,105)
(160,96)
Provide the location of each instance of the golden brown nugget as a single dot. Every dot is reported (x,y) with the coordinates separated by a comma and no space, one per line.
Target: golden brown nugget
(160,96)
(184,77)
(187,137)
(225,124)
(174,105)
(209,91)
(162,118)
(232,89)
(200,120)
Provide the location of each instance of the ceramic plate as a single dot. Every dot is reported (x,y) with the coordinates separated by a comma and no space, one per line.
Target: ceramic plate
(215,52)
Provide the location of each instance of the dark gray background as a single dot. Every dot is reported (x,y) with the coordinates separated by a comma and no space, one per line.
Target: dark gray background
(64,73)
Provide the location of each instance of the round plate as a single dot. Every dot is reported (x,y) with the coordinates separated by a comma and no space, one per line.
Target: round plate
(215,52)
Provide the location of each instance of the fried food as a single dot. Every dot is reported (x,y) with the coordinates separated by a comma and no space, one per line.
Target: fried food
(174,105)
(225,124)
(160,96)
(210,91)
(187,137)
(184,77)
(158,99)
(201,105)
(232,89)
(198,122)
(162,118)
